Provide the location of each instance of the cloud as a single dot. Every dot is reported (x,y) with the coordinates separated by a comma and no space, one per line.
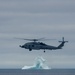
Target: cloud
(38,6)
(35,19)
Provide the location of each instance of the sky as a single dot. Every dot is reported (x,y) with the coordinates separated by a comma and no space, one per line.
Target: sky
(52,19)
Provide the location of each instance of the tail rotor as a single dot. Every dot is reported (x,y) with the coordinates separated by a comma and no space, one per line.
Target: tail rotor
(63,40)
(62,43)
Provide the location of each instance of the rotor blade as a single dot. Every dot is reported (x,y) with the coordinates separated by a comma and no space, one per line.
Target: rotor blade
(25,39)
(30,39)
(40,39)
(47,39)
(19,38)
(34,39)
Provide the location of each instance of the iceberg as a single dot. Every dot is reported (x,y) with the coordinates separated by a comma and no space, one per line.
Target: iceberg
(39,64)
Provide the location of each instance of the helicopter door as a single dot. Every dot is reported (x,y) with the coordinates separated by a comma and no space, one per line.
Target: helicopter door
(36,47)
(33,46)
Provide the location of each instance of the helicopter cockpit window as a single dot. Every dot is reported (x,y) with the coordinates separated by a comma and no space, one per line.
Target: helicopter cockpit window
(32,45)
(42,43)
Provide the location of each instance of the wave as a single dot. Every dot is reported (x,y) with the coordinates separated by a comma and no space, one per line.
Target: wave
(39,64)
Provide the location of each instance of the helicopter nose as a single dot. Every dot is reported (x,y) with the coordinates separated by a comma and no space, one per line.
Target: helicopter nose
(21,46)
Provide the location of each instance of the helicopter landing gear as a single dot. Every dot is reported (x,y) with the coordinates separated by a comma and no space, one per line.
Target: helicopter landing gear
(30,49)
(44,51)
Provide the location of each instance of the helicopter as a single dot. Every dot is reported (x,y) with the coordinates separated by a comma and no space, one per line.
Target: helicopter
(35,45)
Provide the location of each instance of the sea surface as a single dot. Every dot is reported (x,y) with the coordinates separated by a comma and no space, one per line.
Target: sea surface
(37,72)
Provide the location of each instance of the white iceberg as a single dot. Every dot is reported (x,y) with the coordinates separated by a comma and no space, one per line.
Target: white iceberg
(39,64)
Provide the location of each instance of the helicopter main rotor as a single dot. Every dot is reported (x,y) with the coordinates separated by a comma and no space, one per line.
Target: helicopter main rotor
(40,39)
(34,39)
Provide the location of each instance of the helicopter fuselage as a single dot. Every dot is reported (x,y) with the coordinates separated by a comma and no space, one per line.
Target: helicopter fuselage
(37,46)
(40,45)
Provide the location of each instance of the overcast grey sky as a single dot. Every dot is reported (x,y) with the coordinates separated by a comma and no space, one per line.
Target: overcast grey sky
(36,19)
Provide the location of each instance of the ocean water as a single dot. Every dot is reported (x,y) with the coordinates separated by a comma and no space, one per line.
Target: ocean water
(37,72)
